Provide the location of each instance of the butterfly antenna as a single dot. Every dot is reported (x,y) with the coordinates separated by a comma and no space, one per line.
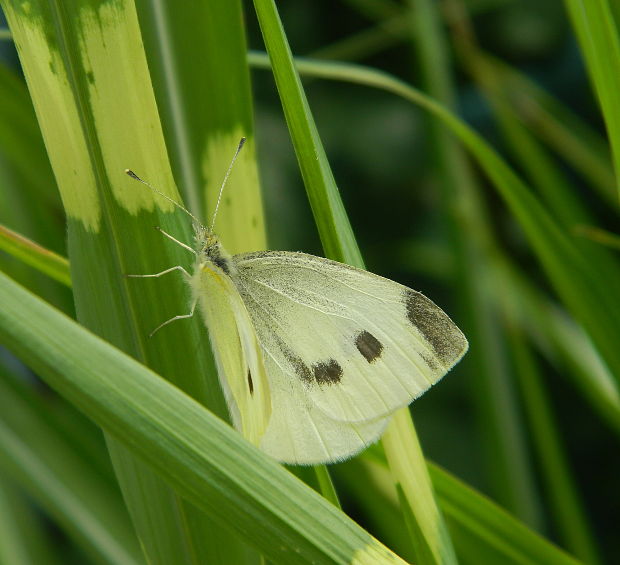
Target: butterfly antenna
(219,196)
(134,176)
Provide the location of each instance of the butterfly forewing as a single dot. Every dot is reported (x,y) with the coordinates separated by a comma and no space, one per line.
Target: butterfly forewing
(360,346)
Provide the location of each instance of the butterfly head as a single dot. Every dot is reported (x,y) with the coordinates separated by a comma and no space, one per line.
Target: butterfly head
(210,251)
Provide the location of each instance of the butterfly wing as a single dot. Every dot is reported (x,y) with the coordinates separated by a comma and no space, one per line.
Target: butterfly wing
(342,346)
(301,433)
(237,352)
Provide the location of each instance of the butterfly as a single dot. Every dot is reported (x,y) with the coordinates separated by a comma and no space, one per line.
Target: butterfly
(313,356)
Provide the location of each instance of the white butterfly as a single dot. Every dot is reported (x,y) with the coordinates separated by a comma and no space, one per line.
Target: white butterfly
(314,356)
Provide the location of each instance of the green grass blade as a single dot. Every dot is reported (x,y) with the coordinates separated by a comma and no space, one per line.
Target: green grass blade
(430,538)
(546,178)
(338,243)
(507,461)
(333,225)
(561,341)
(23,539)
(29,202)
(485,533)
(371,485)
(566,506)
(206,461)
(598,37)
(326,486)
(482,531)
(581,147)
(30,253)
(65,485)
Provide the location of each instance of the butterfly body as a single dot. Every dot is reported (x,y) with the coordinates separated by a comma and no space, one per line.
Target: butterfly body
(314,356)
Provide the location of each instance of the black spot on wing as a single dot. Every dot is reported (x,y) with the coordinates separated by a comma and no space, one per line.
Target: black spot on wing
(369,346)
(301,369)
(250,383)
(323,372)
(439,331)
(327,372)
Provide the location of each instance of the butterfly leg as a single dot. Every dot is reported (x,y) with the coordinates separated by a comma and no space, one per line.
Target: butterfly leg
(180,317)
(176,268)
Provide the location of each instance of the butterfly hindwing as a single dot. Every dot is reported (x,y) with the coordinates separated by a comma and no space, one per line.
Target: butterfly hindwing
(237,352)
(300,432)
(361,346)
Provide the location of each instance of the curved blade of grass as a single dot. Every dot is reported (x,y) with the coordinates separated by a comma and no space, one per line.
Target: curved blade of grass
(560,340)
(546,178)
(508,466)
(581,289)
(31,207)
(482,531)
(204,459)
(485,533)
(86,70)
(339,244)
(330,216)
(23,539)
(598,37)
(581,147)
(42,259)
(29,201)
(86,508)
(566,507)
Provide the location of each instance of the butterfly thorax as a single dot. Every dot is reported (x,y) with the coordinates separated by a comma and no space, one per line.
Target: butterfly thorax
(210,251)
